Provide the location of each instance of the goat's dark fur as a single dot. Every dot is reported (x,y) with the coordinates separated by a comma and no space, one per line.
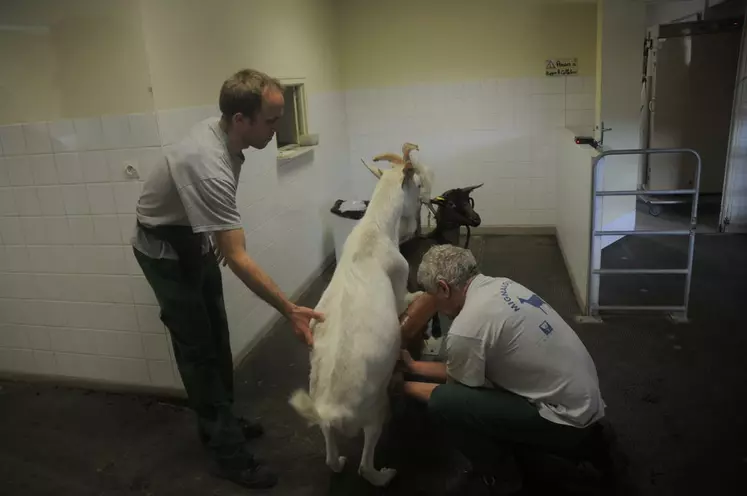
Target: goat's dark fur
(453,209)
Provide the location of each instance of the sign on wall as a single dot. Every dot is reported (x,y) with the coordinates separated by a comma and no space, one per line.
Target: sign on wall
(561,67)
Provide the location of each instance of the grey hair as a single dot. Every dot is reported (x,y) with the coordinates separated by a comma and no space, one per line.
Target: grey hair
(454,265)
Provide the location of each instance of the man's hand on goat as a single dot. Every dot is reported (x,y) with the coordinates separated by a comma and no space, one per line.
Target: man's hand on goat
(406,360)
(300,318)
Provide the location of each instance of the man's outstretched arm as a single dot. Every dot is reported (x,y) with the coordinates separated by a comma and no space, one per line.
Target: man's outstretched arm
(232,246)
(430,370)
(420,390)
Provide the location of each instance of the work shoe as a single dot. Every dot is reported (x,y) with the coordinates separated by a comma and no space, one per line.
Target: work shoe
(476,484)
(256,476)
(250,430)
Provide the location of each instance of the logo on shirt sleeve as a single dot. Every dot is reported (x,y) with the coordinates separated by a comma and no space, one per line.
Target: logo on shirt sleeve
(535,301)
(545,327)
(504,293)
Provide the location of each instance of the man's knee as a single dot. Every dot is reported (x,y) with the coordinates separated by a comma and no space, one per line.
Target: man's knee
(443,405)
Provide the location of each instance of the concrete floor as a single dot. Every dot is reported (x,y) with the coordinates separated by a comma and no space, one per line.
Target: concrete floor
(676,217)
(675,396)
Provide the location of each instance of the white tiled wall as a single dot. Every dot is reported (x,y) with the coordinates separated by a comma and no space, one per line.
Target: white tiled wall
(70,298)
(495,132)
(73,301)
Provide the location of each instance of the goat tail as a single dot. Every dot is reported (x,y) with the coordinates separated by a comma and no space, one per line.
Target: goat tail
(339,418)
(304,405)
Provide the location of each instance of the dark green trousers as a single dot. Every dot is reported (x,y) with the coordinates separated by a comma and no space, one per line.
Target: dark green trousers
(488,426)
(194,313)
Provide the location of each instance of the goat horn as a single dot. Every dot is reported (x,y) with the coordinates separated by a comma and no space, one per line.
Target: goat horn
(409,146)
(374,170)
(472,188)
(406,149)
(389,157)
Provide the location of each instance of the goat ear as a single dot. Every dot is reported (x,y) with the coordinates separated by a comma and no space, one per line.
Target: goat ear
(470,189)
(390,157)
(407,147)
(374,170)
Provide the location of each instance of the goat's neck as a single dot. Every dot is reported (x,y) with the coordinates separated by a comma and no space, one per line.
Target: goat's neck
(385,209)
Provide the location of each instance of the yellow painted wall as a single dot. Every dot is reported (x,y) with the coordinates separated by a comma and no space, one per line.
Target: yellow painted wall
(102,57)
(28,78)
(193,45)
(80,58)
(389,42)
(102,65)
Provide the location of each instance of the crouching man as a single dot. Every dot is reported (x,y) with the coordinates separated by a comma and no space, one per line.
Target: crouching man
(516,377)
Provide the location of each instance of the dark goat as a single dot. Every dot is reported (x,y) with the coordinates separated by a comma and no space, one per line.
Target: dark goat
(454,209)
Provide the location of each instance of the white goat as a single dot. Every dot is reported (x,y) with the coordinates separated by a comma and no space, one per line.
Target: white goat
(356,347)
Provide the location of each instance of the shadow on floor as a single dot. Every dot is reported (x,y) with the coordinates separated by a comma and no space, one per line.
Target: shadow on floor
(674,394)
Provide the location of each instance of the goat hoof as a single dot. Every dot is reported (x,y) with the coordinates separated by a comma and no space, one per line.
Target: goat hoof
(337,465)
(379,478)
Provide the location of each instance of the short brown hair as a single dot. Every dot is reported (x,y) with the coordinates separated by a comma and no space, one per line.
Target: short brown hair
(242,93)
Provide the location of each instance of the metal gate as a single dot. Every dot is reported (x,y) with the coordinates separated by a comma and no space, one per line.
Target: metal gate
(678,313)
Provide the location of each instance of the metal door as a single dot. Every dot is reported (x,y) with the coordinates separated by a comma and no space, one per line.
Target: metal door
(734,201)
(695,69)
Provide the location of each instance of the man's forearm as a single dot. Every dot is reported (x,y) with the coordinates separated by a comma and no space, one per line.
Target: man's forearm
(420,390)
(431,370)
(259,282)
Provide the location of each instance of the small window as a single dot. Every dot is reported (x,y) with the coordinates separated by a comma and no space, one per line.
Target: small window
(293,123)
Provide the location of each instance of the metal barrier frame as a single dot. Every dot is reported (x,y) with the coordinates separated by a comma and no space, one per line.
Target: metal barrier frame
(678,313)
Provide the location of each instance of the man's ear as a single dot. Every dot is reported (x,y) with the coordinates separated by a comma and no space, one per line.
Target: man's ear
(444,288)
(242,117)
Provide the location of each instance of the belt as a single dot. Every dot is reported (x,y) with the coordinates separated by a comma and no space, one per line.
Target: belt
(186,244)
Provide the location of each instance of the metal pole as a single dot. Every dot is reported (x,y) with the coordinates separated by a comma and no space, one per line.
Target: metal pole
(664,192)
(590,310)
(693,227)
(648,151)
(683,232)
(642,308)
(639,271)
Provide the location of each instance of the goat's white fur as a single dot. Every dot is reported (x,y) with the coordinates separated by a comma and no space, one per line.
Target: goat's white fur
(357,346)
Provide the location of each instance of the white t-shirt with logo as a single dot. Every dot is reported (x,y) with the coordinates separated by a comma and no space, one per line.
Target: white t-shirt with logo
(509,337)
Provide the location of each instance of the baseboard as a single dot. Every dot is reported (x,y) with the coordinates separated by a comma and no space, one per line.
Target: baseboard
(168,394)
(511,230)
(264,332)
(574,286)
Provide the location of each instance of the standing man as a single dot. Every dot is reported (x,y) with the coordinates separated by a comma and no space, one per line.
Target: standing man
(189,197)
(516,375)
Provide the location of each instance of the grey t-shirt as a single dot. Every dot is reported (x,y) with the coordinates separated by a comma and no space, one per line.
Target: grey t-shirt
(194,186)
(507,336)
